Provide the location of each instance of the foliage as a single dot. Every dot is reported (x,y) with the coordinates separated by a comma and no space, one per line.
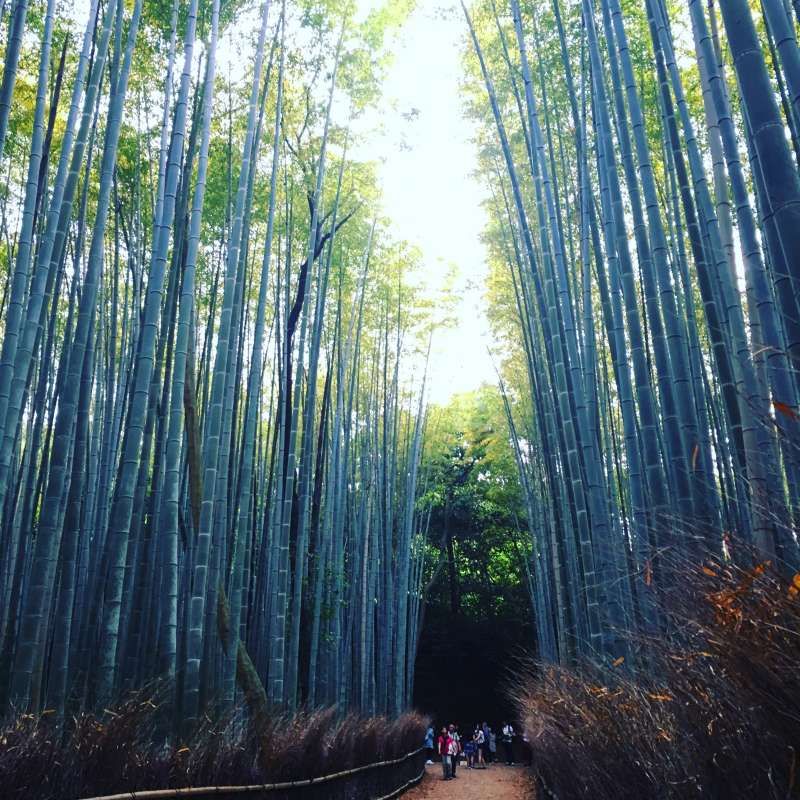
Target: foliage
(477,586)
(200,288)
(473,496)
(121,750)
(644,386)
(717,716)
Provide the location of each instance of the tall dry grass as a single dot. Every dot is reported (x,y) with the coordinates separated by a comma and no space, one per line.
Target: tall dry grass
(122,750)
(720,720)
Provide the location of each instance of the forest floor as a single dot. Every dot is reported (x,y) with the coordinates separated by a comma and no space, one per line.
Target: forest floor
(498,782)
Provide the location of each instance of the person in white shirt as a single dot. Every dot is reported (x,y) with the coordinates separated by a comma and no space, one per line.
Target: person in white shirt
(507,734)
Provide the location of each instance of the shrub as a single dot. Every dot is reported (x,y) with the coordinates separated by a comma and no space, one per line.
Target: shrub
(122,750)
(718,716)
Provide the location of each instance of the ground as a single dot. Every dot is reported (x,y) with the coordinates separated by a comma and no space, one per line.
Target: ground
(498,782)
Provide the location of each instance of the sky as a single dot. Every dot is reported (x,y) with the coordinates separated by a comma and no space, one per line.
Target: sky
(424,146)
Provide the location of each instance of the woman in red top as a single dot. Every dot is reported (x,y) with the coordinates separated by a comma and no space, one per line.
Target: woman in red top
(443,746)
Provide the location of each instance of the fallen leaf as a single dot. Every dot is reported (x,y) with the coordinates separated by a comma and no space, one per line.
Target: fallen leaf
(786,410)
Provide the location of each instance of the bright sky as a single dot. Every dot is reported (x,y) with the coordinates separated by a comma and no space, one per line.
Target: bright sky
(430,194)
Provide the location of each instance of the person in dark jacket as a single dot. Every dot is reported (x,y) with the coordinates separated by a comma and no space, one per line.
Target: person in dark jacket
(507,737)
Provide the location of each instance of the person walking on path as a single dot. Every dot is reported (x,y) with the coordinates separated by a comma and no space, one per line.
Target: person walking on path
(454,749)
(492,746)
(527,750)
(443,748)
(480,745)
(429,745)
(507,732)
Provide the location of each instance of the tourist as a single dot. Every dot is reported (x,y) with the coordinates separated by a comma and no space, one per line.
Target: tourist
(527,750)
(429,744)
(480,745)
(507,734)
(469,752)
(454,749)
(492,746)
(487,756)
(443,748)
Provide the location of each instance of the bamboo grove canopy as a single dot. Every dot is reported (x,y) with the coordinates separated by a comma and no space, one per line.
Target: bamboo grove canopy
(642,160)
(208,440)
(212,362)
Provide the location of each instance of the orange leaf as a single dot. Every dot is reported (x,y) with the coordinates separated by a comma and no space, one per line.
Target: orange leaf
(695,454)
(710,572)
(661,698)
(786,410)
(648,573)
(618,661)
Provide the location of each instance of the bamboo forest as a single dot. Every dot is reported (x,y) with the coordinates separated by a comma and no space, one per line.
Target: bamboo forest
(373,367)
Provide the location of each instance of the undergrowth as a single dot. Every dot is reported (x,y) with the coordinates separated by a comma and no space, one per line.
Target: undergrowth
(119,751)
(721,719)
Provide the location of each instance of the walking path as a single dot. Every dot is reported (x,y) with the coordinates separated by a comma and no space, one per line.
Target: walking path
(498,782)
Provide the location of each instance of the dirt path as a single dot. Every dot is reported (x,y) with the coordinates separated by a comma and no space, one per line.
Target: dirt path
(498,782)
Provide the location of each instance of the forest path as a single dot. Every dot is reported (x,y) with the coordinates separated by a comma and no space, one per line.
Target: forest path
(498,782)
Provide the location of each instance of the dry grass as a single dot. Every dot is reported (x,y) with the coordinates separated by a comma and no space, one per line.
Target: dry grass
(721,719)
(120,751)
